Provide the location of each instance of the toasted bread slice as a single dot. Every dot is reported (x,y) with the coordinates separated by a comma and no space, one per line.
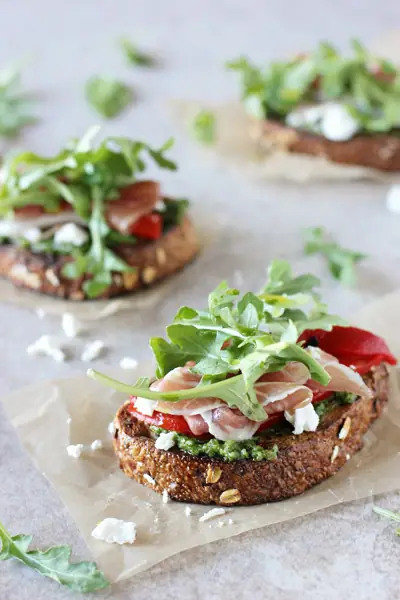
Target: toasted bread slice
(378,151)
(154,260)
(302,461)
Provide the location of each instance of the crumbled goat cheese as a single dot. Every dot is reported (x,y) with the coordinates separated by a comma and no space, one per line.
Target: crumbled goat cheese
(211,514)
(115,531)
(165,497)
(393,199)
(75,451)
(32,235)
(70,324)
(303,419)
(69,421)
(92,350)
(46,346)
(70,234)
(230,521)
(165,441)
(111,428)
(149,478)
(96,445)
(188,511)
(337,123)
(41,313)
(348,457)
(145,406)
(128,363)
(52,277)
(332,120)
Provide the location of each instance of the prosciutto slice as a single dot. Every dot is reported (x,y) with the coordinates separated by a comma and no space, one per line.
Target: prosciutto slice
(289,390)
(343,379)
(135,201)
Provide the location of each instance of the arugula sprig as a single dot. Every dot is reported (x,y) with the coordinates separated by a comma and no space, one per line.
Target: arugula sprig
(87,176)
(203,126)
(53,562)
(109,97)
(341,261)
(388,514)
(15,108)
(325,74)
(237,339)
(134,56)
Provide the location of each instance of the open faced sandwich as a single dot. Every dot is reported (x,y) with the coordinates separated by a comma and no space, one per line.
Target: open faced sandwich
(345,109)
(257,398)
(86,224)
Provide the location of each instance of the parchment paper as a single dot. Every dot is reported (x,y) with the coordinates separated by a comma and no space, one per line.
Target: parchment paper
(93,488)
(236,141)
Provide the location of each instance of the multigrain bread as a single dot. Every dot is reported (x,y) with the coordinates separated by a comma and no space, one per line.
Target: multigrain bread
(154,261)
(302,461)
(378,151)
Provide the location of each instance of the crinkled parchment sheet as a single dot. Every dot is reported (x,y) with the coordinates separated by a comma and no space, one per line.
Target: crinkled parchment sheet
(236,140)
(93,488)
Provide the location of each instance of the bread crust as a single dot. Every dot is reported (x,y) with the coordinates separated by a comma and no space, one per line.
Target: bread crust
(377,151)
(302,462)
(154,261)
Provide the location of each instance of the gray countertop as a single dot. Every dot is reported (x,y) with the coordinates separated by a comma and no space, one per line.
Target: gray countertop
(341,552)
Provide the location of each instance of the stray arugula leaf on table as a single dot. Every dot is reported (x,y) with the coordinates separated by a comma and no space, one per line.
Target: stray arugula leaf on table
(325,75)
(203,127)
(15,108)
(237,339)
(134,56)
(53,562)
(95,174)
(341,261)
(388,514)
(108,96)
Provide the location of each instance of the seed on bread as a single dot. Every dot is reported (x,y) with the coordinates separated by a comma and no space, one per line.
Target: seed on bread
(230,497)
(130,279)
(213,474)
(149,274)
(52,277)
(344,432)
(161,256)
(334,454)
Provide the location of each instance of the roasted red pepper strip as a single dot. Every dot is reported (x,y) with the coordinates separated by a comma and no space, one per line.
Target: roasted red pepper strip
(148,227)
(350,344)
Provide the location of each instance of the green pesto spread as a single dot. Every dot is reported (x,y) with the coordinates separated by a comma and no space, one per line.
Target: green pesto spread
(337,399)
(228,451)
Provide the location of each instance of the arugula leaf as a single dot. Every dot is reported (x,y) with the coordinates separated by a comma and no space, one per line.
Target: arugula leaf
(232,391)
(15,108)
(277,89)
(203,127)
(341,262)
(388,514)
(134,56)
(108,96)
(53,562)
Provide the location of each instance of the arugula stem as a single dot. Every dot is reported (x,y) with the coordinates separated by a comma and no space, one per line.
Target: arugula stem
(198,392)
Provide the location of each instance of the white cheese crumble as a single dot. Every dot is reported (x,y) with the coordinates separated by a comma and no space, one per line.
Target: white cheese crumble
(75,451)
(128,363)
(70,234)
(70,324)
(165,441)
(46,346)
(52,277)
(149,478)
(111,428)
(165,497)
(211,514)
(303,419)
(96,445)
(32,235)
(230,521)
(92,350)
(69,421)
(188,511)
(145,406)
(331,119)
(393,199)
(115,531)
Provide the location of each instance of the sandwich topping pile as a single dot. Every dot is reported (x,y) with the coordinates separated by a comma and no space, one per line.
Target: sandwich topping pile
(248,368)
(325,93)
(87,216)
